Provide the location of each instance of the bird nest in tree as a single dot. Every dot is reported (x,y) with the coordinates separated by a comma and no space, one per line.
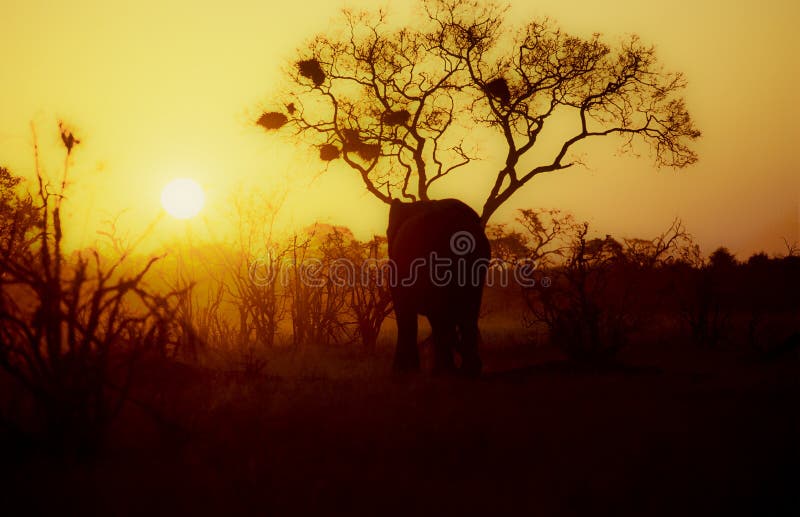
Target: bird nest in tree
(354,144)
(351,136)
(310,69)
(368,152)
(328,152)
(498,88)
(272,120)
(396,118)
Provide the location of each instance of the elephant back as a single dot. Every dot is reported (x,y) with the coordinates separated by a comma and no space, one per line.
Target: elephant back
(447,231)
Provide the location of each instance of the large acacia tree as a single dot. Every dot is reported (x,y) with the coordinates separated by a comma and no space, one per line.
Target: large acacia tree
(400,105)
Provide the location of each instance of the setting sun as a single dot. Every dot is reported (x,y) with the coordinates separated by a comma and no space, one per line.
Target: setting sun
(182,198)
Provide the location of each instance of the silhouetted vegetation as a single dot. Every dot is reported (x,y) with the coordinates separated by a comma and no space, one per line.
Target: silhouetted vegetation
(396,104)
(72,328)
(596,295)
(621,375)
(81,329)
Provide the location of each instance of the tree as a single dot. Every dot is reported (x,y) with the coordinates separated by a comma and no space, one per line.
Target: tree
(549,233)
(721,258)
(19,217)
(588,307)
(675,244)
(400,106)
(792,248)
(253,270)
(360,269)
(319,300)
(508,246)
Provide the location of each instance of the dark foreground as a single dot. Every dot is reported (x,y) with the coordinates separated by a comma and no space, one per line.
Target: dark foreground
(716,438)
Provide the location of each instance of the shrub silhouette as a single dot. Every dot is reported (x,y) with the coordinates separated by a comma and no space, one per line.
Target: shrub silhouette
(72,329)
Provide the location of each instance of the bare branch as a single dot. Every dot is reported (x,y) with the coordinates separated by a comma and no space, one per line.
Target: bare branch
(399,104)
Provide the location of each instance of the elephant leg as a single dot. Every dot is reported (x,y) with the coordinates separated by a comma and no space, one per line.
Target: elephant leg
(444,341)
(471,364)
(406,356)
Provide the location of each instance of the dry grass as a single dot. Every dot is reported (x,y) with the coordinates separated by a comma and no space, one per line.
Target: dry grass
(331,431)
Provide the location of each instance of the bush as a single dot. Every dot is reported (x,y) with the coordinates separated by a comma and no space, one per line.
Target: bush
(72,328)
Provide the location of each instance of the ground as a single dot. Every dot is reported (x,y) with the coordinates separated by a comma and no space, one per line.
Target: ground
(336,433)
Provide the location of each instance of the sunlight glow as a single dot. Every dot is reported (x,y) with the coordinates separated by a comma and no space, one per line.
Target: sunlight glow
(182,198)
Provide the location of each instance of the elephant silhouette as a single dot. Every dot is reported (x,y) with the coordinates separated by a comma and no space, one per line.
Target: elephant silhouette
(440,255)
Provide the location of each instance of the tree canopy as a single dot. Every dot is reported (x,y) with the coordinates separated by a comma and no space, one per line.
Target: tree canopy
(399,105)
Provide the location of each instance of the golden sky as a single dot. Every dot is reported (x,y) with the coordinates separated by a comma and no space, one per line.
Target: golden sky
(164,89)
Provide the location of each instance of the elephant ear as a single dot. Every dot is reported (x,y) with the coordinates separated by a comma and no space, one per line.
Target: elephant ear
(395,209)
(395,218)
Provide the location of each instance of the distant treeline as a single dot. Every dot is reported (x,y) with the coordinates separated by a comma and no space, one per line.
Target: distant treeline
(595,296)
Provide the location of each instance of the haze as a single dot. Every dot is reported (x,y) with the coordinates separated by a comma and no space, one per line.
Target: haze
(161,90)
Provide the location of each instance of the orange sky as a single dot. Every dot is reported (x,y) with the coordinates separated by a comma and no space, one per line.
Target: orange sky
(159,90)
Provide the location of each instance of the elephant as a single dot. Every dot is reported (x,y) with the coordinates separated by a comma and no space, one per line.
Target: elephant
(440,254)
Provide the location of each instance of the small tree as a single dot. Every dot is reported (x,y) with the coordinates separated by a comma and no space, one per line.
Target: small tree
(675,244)
(792,248)
(254,270)
(401,107)
(361,268)
(586,306)
(318,299)
(508,245)
(706,298)
(549,233)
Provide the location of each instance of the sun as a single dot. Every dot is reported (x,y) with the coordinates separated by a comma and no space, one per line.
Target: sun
(183,198)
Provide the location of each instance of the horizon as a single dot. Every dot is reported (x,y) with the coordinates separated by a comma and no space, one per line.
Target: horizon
(182,102)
